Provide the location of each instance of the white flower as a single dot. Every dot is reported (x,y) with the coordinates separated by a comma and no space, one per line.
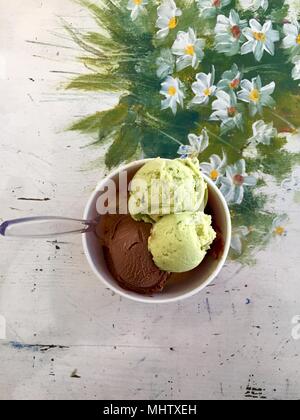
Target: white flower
(165,64)
(215,168)
(264,4)
(279,225)
(210,8)
(292,35)
(228,32)
(260,39)
(250,152)
(172,89)
(227,111)
(136,7)
(296,69)
(188,49)
(254,4)
(294,8)
(233,184)
(238,235)
(256,95)
(167,18)
(197,144)
(263,133)
(204,87)
(245,4)
(231,79)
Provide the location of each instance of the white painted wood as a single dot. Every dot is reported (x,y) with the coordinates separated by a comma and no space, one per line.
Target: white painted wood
(212,346)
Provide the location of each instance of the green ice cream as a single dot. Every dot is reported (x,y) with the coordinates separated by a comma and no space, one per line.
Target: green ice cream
(163,187)
(179,242)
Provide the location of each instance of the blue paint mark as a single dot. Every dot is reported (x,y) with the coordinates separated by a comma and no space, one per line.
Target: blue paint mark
(19,346)
(36,347)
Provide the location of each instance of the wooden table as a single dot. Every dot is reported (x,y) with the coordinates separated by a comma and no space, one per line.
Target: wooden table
(67,336)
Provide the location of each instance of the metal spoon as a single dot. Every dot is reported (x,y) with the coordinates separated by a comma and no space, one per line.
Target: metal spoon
(45,227)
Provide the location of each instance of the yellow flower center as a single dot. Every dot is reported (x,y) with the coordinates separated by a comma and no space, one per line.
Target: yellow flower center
(260,36)
(214,174)
(172,91)
(137,2)
(172,23)
(298,39)
(254,95)
(190,49)
(279,230)
(207,92)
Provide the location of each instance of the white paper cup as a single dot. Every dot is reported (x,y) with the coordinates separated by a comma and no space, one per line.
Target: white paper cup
(190,283)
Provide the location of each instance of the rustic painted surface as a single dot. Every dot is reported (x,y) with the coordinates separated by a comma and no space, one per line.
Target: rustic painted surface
(232,341)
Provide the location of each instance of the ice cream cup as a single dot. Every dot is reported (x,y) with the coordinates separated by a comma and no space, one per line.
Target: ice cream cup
(190,283)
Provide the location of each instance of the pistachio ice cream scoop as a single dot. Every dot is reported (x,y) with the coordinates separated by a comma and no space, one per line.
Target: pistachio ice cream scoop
(179,242)
(163,187)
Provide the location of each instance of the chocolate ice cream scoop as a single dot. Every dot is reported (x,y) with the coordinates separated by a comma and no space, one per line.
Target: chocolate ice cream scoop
(125,243)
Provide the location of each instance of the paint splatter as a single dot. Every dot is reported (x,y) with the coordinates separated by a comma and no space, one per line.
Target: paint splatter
(35,347)
(75,375)
(253,391)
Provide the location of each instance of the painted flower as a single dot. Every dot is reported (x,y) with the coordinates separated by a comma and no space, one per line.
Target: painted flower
(210,8)
(167,18)
(234,183)
(238,236)
(279,225)
(250,151)
(204,87)
(260,38)
(136,7)
(231,79)
(188,49)
(256,95)
(229,34)
(294,8)
(227,110)
(264,4)
(296,69)
(215,168)
(165,64)
(197,144)
(263,133)
(173,90)
(254,4)
(292,36)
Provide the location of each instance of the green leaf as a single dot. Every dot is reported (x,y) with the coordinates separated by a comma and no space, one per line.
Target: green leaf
(157,144)
(88,124)
(124,146)
(279,14)
(113,119)
(101,41)
(104,122)
(98,82)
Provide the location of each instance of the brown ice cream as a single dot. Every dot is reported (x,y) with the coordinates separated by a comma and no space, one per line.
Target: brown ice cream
(125,244)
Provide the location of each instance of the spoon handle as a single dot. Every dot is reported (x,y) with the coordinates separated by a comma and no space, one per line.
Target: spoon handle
(44,227)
